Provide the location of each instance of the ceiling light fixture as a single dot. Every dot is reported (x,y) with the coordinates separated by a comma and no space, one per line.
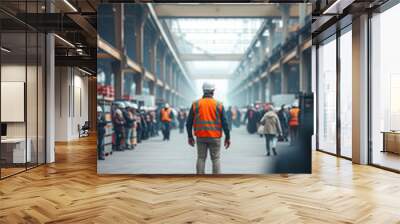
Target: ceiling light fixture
(64,40)
(5,50)
(70,5)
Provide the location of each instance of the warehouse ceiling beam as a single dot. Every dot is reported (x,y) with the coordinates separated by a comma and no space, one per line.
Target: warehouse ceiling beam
(211,57)
(168,43)
(210,76)
(220,11)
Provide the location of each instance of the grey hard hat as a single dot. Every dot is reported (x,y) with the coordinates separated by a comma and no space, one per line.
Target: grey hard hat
(208,86)
(135,106)
(120,104)
(128,104)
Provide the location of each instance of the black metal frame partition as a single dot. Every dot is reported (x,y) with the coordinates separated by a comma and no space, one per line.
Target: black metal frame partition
(339,31)
(30,29)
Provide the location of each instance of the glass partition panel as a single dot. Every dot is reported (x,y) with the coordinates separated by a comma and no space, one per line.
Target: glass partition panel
(41,85)
(346,94)
(385,89)
(15,151)
(32,98)
(22,87)
(327,96)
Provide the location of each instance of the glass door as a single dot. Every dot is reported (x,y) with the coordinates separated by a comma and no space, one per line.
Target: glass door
(22,77)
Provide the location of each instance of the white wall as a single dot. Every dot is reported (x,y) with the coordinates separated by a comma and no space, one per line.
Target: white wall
(71,102)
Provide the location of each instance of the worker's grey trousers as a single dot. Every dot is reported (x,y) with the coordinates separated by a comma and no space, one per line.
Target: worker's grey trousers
(205,145)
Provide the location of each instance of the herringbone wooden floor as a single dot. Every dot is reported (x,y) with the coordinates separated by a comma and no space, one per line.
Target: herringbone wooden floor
(70,191)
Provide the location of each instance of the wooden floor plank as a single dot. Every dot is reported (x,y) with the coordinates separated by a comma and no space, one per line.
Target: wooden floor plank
(70,191)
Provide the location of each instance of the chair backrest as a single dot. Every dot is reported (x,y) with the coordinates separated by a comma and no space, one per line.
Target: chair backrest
(86,125)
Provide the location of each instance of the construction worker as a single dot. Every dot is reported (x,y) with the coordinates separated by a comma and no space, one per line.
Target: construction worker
(101,131)
(129,124)
(207,118)
(293,123)
(119,124)
(166,118)
(181,119)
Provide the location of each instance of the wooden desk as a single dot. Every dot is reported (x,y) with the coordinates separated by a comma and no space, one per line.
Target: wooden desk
(391,141)
(13,150)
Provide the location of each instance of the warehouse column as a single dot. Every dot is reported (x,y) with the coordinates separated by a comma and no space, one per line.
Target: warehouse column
(271,36)
(118,66)
(153,62)
(165,76)
(304,56)
(285,33)
(258,89)
(271,86)
(153,52)
(284,70)
(262,90)
(139,29)
(285,9)
(162,72)
(263,47)
(249,99)
(118,87)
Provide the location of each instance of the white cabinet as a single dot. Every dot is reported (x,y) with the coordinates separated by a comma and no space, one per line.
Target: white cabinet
(16,146)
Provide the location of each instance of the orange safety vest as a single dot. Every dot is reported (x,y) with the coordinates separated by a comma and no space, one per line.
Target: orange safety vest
(294,116)
(165,114)
(207,118)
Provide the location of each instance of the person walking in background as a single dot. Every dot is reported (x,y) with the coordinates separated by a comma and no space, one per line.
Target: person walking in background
(283,115)
(181,120)
(129,123)
(158,119)
(149,123)
(252,119)
(272,129)
(207,117)
(229,117)
(101,131)
(166,118)
(119,122)
(143,125)
(152,123)
(294,123)
(145,130)
(236,116)
(135,124)
(139,126)
(260,111)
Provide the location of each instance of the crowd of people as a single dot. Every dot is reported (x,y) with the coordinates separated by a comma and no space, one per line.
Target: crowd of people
(133,124)
(275,124)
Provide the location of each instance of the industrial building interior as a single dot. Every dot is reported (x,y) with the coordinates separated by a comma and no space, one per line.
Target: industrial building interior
(60,59)
(185,45)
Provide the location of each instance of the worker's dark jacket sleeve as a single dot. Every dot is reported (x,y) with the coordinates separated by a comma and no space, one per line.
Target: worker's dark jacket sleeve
(225,125)
(189,123)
